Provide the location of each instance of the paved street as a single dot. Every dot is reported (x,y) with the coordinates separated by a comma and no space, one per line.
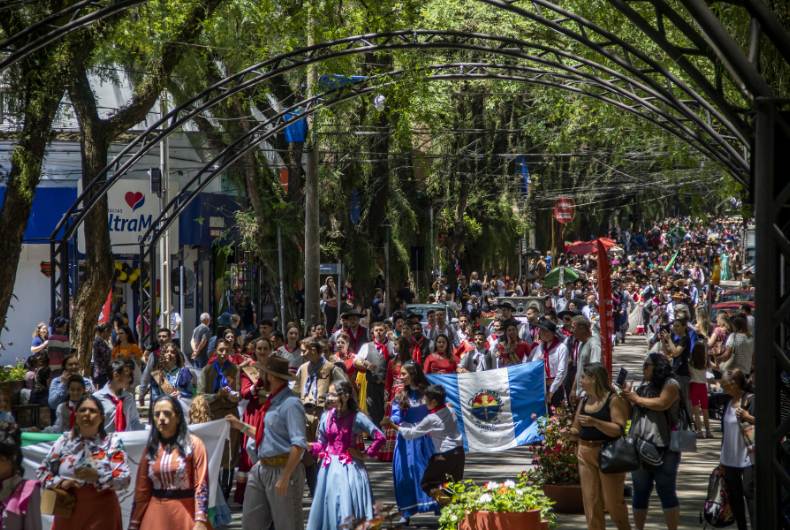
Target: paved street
(695,468)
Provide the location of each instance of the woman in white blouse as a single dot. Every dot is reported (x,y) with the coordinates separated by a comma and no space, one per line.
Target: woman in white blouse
(739,350)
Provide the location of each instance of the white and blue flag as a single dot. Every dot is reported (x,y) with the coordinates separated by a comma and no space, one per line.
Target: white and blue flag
(496,406)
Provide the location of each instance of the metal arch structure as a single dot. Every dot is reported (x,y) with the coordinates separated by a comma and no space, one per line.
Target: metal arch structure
(276,124)
(45,31)
(714,136)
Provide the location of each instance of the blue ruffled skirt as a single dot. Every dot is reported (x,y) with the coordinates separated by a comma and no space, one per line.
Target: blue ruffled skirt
(341,492)
(408,466)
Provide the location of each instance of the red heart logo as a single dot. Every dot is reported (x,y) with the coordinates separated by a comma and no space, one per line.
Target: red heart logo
(133,198)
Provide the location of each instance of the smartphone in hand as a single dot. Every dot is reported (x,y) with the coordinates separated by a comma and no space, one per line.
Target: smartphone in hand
(621,377)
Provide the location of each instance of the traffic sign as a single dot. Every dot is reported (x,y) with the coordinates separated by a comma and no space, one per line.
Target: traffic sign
(564,210)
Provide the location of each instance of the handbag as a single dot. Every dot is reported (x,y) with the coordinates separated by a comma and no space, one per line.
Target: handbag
(57,502)
(747,431)
(618,456)
(683,440)
(649,454)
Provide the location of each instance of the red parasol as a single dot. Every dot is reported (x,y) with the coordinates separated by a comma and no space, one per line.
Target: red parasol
(581,247)
(607,243)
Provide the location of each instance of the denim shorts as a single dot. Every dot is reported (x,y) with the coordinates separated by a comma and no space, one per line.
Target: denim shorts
(664,478)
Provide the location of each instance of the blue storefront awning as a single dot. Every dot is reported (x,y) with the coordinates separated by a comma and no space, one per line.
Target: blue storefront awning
(49,206)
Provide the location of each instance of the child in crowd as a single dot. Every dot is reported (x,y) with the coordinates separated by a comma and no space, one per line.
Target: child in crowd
(441,423)
(67,411)
(698,387)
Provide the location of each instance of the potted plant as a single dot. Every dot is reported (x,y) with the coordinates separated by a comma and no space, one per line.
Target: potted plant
(12,381)
(556,467)
(506,506)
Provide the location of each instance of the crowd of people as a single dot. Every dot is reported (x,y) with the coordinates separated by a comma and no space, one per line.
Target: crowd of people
(308,408)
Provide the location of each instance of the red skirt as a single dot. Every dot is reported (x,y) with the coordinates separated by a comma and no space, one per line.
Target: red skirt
(94,510)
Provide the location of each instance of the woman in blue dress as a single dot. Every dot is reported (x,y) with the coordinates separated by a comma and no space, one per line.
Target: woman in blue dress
(411,457)
(342,488)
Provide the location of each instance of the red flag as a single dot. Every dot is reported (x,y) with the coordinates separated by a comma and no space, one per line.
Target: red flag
(605,307)
(105,310)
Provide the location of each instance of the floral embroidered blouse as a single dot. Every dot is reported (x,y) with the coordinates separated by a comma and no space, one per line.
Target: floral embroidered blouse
(172,471)
(105,455)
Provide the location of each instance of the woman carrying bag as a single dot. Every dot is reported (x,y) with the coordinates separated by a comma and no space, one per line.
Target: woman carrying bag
(737,449)
(654,410)
(601,418)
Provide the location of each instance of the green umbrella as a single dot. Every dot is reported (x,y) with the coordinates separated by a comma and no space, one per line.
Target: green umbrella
(553,277)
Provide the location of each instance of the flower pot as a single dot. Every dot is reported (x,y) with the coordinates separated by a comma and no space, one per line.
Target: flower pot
(567,499)
(11,391)
(501,521)
(544,525)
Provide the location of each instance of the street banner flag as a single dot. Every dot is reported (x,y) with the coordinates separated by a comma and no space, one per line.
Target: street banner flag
(106,309)
(495,407)
(671,261)
(606,308)
(213,434)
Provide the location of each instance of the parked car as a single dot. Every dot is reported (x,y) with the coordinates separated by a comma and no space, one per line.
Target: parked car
(730,308)
(422,310)
(736,296)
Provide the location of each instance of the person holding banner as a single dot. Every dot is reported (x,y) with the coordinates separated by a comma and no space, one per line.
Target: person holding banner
(555,360)
(412,456)
(171,491)
(276,482)
(90,464)
(343,488)
(449,458)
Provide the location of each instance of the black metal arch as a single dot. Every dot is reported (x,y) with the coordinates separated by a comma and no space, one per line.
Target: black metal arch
(45,31)
(274,125)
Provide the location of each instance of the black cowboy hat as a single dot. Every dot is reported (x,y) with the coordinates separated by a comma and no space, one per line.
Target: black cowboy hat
(351,313)
(508,304)
(547,325)
(574,313)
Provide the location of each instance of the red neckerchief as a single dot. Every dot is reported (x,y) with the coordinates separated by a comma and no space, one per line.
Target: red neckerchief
(355,340)
(437,409)
(120,416)
(382,346)
(264,408)
(553,344)
(72,413)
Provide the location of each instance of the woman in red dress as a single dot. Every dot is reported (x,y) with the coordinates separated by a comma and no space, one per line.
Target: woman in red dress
(512,350)
(392,385)
(252,390)
(344,358)
(441,361)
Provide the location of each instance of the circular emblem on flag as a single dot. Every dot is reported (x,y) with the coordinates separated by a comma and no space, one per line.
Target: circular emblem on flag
(486,405)
(564,210)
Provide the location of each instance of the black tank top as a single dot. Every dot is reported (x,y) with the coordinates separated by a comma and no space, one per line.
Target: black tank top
(592,433)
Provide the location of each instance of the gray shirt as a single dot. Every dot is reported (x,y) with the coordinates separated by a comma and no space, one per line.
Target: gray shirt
(653,425)
(201,332)
(442,425)
(587,353)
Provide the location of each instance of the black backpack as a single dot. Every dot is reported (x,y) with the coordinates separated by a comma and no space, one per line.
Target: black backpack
(717,511)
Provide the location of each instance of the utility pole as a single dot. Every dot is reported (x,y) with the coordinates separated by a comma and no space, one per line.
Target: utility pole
(164,242)
(282,290)
(312,250)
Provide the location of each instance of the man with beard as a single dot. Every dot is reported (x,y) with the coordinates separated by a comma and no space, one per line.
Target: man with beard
(275,485)
(422,346)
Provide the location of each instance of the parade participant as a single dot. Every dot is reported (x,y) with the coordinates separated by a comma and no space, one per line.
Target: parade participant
(91,465)
(128,351)
(411,456)
(392,386)
(373,358)
(480,358)
(58,388)
(449,457)
(342,328)
(555,360)
(430,322)
(600,418)
(589,309)
(464,331)
(421,345)
(442,328)
(172,487)
(291,350)
(119,409)
(67,411)
(511,350)
(220,386)
(276,482)
(162,338)
(585,349)
(20,498)
(530,333)
(561,303)
(343,488)
(170,377)
(313,380)
(492,342)
(441,361)
(252,391)
(344,357)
